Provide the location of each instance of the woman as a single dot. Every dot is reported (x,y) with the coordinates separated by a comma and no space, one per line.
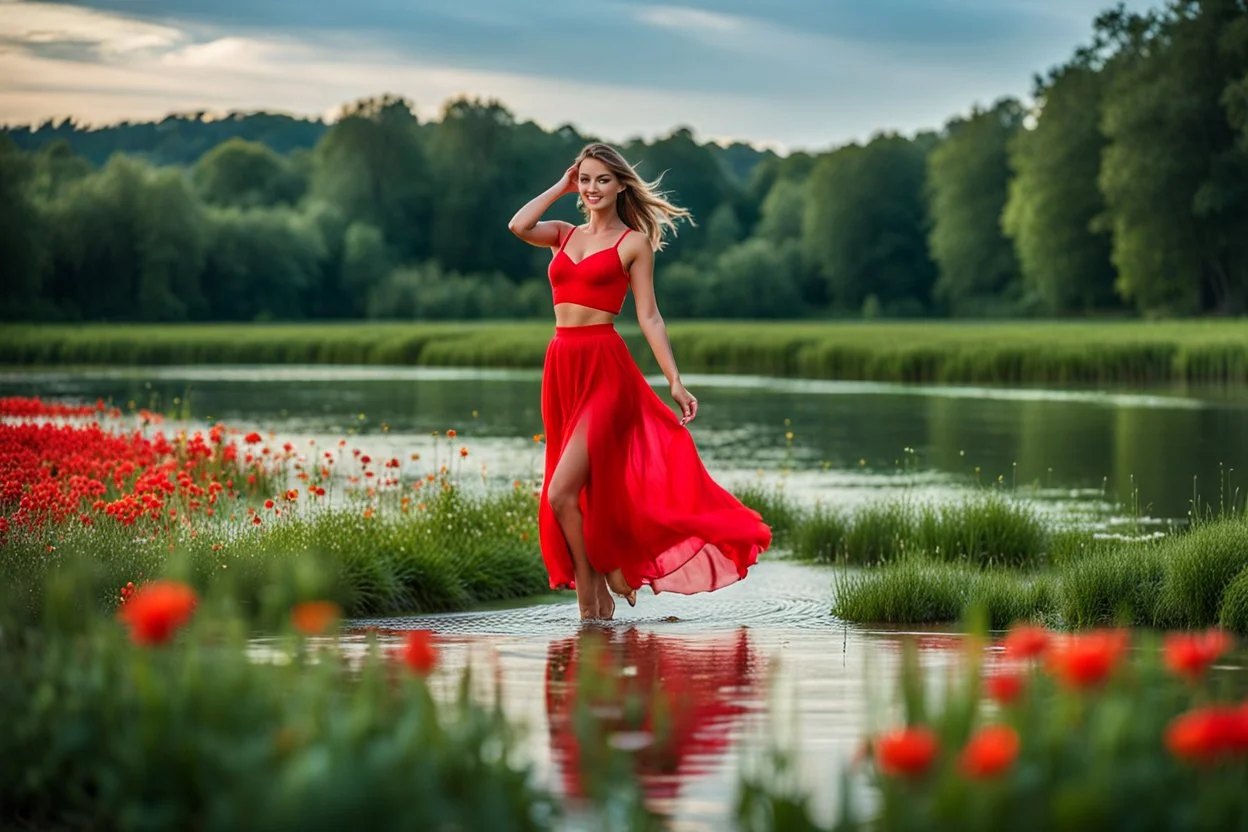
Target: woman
(626,500)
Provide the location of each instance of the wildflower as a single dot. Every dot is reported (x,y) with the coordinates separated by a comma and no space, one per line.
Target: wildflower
(1204,735)
(1189,655)
(989,752)
(907,752)
(463,452)
(157,610)
(368,513)
(451,434)
(268,504)
(253,438)
(1004,687)
(419,652)
(1025,641)
(1086,660)
(539,437)
(314,617)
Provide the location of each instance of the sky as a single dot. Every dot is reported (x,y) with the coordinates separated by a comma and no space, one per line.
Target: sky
(784,74)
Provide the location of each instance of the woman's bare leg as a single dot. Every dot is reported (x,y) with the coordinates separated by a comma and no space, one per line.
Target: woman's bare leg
(564,493)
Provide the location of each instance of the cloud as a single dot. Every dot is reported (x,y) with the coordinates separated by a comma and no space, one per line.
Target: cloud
(790,72)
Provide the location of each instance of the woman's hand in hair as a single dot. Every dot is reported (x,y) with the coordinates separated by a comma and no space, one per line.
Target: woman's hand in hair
(569,179)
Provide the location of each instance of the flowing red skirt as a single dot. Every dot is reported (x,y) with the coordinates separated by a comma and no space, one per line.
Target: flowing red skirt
(650,508)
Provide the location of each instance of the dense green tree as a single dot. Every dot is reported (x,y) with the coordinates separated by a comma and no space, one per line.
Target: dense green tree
(691,177)
(22,248)
(372,165)
(1054,197)
(967,183)
(262,262)
(1173,174)
(365,264)
(242,173)
(753,280)
(864,225)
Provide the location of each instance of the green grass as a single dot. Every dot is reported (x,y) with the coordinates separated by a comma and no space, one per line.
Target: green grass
(986,529)
(463,550)
(1027,352)
(1191,579)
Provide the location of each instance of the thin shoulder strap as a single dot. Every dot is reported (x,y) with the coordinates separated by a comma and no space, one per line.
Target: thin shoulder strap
(569,237)
(622,236)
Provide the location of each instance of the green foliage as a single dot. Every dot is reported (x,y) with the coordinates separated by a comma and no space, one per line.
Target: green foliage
(1054,198)
(199,734)
(967,181)
(245,174)
(21,232)
(863,228)
(1179,217)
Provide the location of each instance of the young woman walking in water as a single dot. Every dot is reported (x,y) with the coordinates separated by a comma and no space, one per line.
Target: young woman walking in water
(626,500)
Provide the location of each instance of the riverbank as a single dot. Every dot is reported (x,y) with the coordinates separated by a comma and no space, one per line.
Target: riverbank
(1015,352)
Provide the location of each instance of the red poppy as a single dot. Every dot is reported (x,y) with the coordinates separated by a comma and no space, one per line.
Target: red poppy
(908,752)
(1087,659)
(451,434)
(1204,735)
(1190,654)
(252,438)
(1025,641)
(157,609)
(314,617)
(419,652)
(989,752)
(1004,687)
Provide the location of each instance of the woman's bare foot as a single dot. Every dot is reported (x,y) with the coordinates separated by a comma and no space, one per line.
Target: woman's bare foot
(615,580)
(606,604)
(587,593)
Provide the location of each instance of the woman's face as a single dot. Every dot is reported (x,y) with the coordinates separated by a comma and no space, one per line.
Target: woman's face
(598,186)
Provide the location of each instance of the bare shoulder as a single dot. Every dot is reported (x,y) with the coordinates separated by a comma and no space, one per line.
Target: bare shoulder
(635,250)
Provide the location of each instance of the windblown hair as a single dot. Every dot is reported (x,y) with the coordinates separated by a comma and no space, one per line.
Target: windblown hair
(641,205)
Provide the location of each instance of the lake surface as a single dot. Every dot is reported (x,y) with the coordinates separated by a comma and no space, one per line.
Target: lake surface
(769,642)
(1109,453)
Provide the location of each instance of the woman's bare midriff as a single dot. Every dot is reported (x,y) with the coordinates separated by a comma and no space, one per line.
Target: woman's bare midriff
(573,314)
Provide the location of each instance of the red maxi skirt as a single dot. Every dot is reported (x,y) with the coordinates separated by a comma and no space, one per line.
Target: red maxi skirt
(649,506)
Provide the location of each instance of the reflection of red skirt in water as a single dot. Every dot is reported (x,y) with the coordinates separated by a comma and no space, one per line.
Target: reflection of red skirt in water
(650,508)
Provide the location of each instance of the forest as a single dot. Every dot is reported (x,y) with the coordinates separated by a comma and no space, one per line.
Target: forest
(1118,189)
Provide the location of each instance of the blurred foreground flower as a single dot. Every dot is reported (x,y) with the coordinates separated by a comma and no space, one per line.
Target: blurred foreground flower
(312,618)
(1209,734)
(989,752)
(157,609)
(1087,659)
(419,652)
(1189,655)
(906,751)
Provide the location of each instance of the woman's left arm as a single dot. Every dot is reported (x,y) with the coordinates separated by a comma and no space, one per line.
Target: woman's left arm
(641,278)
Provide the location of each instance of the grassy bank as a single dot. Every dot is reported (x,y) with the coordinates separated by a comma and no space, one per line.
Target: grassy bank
(1193,578)
(1121,352)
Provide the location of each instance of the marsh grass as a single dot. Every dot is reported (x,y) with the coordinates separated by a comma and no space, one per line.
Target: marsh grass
(919,590)
(1194,578)
(1018,352)
(453,551)
(984,528)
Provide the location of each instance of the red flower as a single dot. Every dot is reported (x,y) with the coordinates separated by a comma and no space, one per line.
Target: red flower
(1086,660)
(1004,687)
(157,609)
(419,652)
(1025,641)
(991,751)
(906,751)
(314,617)
(451,434)
(463,452)
(1204,735)
(268,504)
(1189,655)
(252,438)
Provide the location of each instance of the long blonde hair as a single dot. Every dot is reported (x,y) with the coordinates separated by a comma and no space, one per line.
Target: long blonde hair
(641,205)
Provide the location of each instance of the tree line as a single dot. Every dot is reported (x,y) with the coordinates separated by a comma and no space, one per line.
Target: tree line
(1121,189)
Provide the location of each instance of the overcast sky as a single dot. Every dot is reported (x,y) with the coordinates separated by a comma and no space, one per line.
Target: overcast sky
(786,74)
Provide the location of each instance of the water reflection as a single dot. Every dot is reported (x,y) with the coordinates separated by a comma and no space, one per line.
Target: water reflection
(674,702)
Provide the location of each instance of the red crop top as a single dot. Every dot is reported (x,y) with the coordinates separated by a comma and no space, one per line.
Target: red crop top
(598,281)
